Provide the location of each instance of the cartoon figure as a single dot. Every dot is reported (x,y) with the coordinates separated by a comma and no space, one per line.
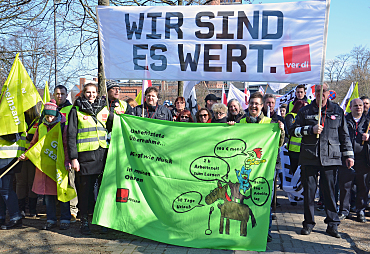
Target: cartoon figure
(230,210)
(253,158)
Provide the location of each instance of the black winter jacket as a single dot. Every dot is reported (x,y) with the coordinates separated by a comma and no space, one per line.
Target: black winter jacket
(157,112)
(333,142)
(355,135)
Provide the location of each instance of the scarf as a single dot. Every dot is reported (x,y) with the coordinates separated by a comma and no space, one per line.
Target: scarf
(251,119)
(90,108)
(56,120)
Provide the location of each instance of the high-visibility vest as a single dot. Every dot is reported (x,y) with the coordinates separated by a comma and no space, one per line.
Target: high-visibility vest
(65,111)
(11,149)
(122,107)
(291,105)
(265,119)
(294,143)
(91,135)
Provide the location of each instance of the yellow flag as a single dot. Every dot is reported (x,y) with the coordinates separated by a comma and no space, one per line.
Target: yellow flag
(48,156)
(17,95)
(46,97)
(138,98)
(354,95)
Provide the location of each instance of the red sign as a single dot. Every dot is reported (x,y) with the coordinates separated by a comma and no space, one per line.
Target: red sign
(297,59)
(122,195)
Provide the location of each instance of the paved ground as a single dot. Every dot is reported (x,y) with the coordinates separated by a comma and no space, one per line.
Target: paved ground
(286,238)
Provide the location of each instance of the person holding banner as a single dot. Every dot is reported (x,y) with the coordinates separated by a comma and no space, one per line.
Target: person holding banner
(10,149)
(220,113)
(321,153)
(203,115)
(185,117)
(88,125)
(300,94)
(43,184)
(151,107)
(235,111)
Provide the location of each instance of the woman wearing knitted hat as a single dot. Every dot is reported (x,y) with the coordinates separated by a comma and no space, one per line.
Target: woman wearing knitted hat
(43,184)
(88,125)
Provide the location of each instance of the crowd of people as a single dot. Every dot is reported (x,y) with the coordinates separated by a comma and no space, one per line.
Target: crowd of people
(338,146)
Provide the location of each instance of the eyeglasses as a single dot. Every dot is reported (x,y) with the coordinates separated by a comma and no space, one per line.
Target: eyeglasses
(115,89)
(219,113)
(203,115)
(184,117)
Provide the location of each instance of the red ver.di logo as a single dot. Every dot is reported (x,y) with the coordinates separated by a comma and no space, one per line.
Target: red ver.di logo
(297,59)
(122,195)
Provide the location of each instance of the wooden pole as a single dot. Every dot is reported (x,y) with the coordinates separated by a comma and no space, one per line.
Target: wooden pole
(367,131)
(12,166)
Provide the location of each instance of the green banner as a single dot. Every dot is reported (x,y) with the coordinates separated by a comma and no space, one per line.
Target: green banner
(190,184)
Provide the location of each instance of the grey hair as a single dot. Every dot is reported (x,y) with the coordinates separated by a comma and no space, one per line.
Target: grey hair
(268,95)
(237,102)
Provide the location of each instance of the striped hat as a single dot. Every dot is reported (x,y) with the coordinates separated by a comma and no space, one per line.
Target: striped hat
(50,108)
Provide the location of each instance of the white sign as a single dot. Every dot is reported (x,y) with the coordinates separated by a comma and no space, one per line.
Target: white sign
(251,42)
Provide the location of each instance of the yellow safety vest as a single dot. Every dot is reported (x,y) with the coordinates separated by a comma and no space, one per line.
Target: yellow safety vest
(11,149)
(294,143)
(265,119)
(291,105)
(122,107)
(65,111)
(91,135)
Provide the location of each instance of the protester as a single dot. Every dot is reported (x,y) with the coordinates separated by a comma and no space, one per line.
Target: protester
(220,113)
(366,100)
(24,179)
(203,115)
(10,149)
(283,109)
(185,116)
(131,102)
(167,103)
(357,123)
(116,105)
(294,143)
(87,145)
(210,100)
(322,155)
(235,110)
(179,107)
(255,115)
(43,184)
(151,107)
(300,94)
(64,107)
(269,101)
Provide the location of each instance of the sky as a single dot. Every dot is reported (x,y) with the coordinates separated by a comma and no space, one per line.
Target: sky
(348,25)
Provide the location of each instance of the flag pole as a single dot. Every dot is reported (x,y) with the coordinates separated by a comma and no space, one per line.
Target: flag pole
(323,59)
(12,166)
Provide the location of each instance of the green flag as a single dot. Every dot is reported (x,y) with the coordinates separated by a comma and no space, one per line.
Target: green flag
(48,156)
(46,96)
(17,95)
(354,95)
(190,184)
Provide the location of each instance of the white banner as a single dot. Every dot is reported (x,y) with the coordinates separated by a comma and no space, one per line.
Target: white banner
(250,42)
(290,96)
(235,93)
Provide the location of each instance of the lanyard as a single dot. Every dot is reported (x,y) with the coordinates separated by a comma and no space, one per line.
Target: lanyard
(154,111)
(323,119)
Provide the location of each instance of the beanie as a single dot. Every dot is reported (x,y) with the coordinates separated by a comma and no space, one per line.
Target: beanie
(50,108)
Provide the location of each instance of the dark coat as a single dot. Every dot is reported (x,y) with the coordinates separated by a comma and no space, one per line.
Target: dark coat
(355,135)
(158,112)
(333,142)
(236,118)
